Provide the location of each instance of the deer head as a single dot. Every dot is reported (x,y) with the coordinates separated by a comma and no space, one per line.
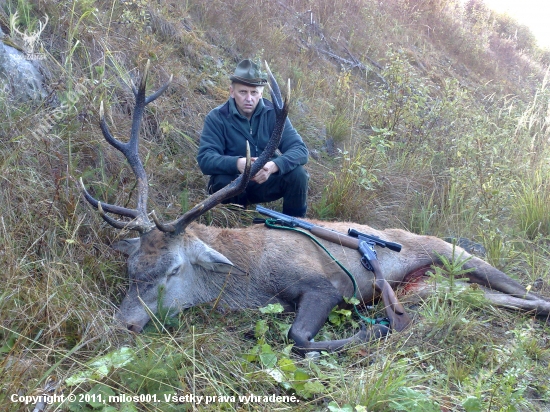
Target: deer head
(29,39)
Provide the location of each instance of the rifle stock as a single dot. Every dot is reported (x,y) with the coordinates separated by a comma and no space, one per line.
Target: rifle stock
(399,320)
(335,237)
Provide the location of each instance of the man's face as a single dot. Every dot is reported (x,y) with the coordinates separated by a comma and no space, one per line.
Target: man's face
(246,98)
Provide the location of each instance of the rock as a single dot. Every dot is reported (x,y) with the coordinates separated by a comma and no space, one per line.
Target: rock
(468,245)
(19,74)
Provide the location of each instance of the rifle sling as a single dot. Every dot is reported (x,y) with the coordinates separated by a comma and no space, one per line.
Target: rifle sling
(275,224)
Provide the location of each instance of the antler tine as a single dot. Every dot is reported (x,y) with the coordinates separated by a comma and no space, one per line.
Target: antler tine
(13,23)
(141,221)
(274,89)
(281,110)
(43,26)
(118,210)
(239,184)
(117,224)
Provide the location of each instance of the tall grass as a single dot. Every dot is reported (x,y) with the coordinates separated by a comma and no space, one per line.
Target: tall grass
(532,207)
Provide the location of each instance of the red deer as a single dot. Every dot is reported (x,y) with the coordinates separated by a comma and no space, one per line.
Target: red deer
(190,263)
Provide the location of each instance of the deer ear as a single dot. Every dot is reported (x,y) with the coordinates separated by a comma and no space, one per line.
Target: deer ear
(209,259)
(127,246)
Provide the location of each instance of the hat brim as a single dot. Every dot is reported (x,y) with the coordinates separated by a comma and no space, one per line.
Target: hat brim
(249,82)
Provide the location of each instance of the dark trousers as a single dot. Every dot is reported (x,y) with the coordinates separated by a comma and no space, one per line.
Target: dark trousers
(292,187)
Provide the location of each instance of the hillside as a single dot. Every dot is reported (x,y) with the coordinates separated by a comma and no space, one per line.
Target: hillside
(423,115)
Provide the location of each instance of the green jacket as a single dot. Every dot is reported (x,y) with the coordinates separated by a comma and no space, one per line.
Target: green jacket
(224,136)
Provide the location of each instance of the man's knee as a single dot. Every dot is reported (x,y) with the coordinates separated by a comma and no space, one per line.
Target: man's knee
(298,178)
(218,182)
(295,196)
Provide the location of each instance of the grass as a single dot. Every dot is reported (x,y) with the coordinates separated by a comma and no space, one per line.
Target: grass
(531,207)
(431,137)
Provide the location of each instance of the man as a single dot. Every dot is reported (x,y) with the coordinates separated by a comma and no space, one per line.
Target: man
(247,116)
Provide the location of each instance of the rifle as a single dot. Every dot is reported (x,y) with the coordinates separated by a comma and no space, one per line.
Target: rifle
(399,320)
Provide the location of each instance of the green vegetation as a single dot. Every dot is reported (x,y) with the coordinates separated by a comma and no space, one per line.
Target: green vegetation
(420,114)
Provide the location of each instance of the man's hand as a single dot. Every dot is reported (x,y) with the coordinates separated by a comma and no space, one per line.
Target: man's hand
(241,163)
(265,172)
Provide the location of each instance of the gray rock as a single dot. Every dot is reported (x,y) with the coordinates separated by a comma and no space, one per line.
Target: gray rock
(19,74)
(468,245)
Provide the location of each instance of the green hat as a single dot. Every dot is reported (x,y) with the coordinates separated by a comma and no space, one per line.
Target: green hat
(249,74)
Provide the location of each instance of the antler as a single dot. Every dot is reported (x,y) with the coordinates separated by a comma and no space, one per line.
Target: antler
(13,23)
(43,26)
(140,220)
(240,183)
(28,38)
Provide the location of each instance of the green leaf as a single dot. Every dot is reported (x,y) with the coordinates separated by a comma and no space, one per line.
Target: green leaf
(261,328)
(287,365)
(413,401)
(97,393)
(334,318)
(272,308)
(128,407)
(10,342)
(269,360)
(266,348)
(100,367)
(472,404)
(352,301)
(313,387)
(301,375)
(333,407)
(343,312)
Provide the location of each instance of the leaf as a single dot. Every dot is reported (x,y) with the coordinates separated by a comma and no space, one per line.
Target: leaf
(261,328)
(128,407)
(10,343)
(287,365)
(97,393)
(272,308)
(334,318)
(269,360)
(472,404)
(266,348)
(352,301)
(313,387)
(100,367)
(279,378)
(301,375)
(413,401)
(343,312)
(252,356)
(333,407)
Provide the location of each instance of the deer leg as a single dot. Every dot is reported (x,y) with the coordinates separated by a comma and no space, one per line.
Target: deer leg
(529,302)
(533,303)
(313,310)
(492,278)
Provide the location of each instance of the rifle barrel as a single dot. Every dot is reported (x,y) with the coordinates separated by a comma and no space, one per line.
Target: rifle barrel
(289,220)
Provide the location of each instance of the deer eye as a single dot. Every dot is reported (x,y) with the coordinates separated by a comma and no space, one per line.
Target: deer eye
(174,271)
